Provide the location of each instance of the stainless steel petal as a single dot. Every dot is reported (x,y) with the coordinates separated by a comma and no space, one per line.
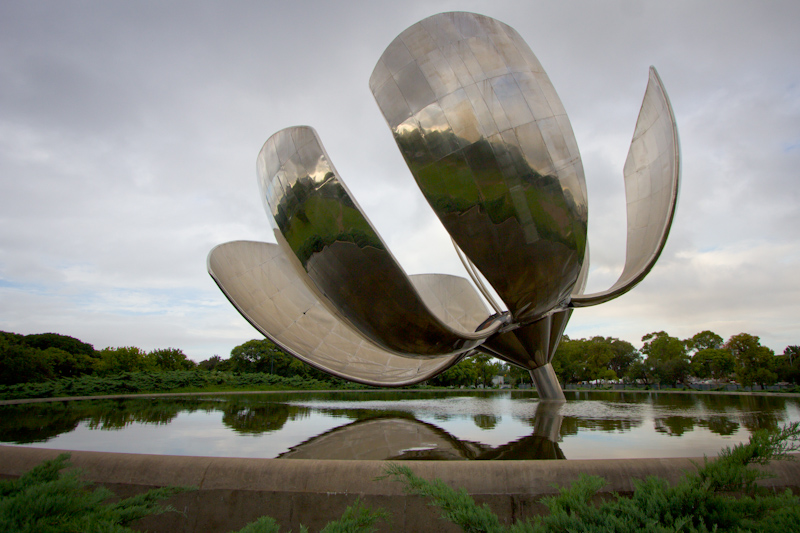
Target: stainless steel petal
(489,143)
(341,257)
(260,282)
(652,176)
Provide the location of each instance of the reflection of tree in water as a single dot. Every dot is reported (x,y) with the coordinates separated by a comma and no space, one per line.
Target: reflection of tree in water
(570,425)
(762,412)
(762,420)
(485,422)
(717,403)
(671,401)
(721,425)
(674,426)
(262,418)
(631,397)
(28,423)
(117,414)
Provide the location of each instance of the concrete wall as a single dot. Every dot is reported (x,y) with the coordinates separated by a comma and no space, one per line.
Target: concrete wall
(233,492)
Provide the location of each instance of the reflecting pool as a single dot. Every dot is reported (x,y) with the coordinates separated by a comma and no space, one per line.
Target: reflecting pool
(397,425)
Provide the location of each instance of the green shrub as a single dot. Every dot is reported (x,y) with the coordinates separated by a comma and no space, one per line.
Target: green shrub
(45,500)
(48,500)
(169,381)
(720,496)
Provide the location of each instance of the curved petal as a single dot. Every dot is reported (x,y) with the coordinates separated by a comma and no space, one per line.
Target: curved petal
(490,146)
(339,255)
(652,176)
(260,282)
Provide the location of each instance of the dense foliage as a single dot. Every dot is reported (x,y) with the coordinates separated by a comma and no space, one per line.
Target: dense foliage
(52,364)
(667,360)
(172,381)
(720,496)
(47,500)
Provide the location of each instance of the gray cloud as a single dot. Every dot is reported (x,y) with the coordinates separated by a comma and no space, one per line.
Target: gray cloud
(128,135)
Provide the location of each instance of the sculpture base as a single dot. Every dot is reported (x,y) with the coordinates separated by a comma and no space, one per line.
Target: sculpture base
(546,383)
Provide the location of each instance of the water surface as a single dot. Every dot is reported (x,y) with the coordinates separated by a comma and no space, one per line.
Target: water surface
(397,425)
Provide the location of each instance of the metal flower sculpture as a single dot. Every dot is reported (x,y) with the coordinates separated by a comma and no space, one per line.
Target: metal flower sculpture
(489,143)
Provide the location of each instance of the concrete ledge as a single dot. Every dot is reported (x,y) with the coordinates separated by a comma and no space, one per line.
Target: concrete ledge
(233,491)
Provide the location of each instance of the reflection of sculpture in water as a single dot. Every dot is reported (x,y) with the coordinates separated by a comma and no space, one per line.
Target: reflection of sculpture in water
(489,144)
(397,438)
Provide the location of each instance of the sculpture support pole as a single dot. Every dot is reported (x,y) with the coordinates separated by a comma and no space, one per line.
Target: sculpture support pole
(546,383)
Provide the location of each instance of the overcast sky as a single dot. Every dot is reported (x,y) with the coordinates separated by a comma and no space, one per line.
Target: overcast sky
(129,133)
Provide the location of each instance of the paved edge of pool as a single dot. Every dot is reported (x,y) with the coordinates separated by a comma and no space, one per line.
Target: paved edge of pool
(235,491)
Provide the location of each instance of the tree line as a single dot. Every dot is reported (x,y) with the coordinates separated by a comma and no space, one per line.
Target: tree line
(50,356)
(667,360)
(663,360)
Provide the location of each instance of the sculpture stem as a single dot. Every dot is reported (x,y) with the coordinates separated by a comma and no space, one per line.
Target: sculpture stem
(547,385)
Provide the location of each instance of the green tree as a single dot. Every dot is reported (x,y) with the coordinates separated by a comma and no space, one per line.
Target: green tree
(713,363)
(462,374)
(264,356)
(788,365)
(19,363)
(754,362)
(568,361)
(123,359)
(598,358)
(486,368)
(625,355)
(170,359)
(71,345)
(215,362)
(705,340)
(640,372)
(516,376)
(254,356)
(65,364)
(667,359)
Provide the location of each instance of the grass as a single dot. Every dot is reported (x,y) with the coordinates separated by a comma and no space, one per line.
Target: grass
(721,495)
(163,382)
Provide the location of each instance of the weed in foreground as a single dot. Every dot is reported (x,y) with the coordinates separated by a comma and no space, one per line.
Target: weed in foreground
(721,495)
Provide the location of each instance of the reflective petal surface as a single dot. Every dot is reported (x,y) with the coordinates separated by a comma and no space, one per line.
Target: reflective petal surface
(260,282)
(652,176)
(489,143)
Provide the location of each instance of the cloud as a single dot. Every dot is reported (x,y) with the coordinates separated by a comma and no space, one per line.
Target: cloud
(128,136)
